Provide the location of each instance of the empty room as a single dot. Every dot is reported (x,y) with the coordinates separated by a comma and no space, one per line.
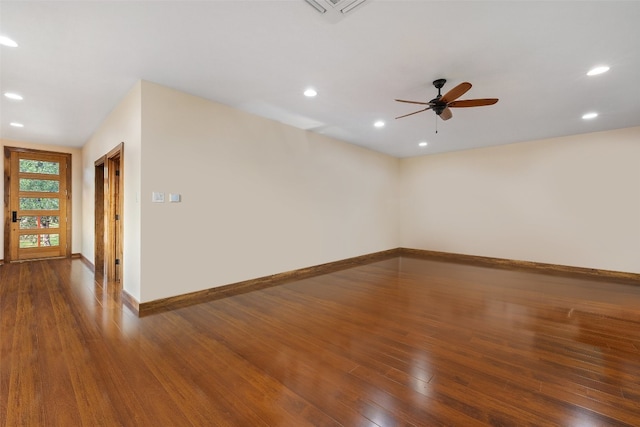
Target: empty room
(320,213)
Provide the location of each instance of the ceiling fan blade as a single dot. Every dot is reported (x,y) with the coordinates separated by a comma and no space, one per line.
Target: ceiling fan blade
(446,114)
(413,102)
(456,92)
(472,102)
(415,112)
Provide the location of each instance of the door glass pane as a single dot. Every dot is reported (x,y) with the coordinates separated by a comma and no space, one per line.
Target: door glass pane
(28,241)
(38,166)
(44,185)
(46,240)
(39,203)
(49,240)
(45,221)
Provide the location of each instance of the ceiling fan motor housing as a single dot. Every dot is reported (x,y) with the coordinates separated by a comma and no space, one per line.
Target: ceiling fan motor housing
(439,108)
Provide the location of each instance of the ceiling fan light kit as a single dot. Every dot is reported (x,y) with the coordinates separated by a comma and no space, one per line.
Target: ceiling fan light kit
(442,104)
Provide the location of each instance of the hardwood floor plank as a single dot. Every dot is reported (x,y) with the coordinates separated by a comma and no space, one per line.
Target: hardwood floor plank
(255,345)
(24,390)
(397,342)
(8,319)
(57,401)
(247,383)
(76,336)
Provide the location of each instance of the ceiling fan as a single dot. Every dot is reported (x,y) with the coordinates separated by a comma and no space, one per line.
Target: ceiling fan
(441,104)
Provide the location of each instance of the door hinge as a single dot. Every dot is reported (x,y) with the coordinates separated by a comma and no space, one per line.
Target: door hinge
(117,172)
(117,217)
(117,261)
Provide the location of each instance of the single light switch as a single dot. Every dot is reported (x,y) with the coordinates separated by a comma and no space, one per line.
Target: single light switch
(157,197)
(174,198)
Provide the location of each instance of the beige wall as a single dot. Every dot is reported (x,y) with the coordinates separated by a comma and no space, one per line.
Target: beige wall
(258,197)
(571,201)
(76,189)
(122,125)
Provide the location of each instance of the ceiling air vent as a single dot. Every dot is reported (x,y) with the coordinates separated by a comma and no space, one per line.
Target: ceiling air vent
(335,10)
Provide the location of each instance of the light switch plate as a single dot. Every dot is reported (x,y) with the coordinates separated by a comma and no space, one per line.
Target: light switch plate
(157,197)
(174,198)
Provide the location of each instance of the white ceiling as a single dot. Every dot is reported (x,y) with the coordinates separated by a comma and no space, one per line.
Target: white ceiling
(77,59)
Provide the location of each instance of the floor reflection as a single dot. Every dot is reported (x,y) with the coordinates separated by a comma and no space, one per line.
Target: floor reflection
(396,342)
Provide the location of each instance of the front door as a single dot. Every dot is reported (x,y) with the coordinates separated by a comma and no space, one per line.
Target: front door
(39,201)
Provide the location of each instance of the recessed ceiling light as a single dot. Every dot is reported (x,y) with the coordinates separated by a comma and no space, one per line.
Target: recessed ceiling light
(310,93)
(12,95)
(6,41)
(379,124)
(423,144)
(598,70)
(16,125)
(590,116)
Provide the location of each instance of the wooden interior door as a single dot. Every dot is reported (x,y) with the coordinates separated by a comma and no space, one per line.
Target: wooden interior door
(114,243)
(109,189)
(37,212)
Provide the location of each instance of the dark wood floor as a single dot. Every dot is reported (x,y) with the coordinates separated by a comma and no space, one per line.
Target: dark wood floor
(401,342)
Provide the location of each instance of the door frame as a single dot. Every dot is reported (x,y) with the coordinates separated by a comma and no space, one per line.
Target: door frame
(7,196)
(109,232)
